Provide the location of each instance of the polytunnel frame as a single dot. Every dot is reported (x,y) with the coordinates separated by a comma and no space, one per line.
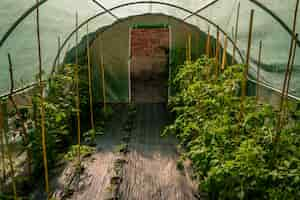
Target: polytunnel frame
(137,3)
(38,4)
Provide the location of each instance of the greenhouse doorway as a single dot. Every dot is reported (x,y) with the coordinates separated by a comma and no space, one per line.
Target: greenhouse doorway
(149,64)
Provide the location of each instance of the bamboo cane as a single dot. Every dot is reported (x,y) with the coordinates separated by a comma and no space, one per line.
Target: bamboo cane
(9,154)
(43,129)
(224,57)
(245,74)
(58,45)
(292,66)
(77,93)
(217,53)
(90,79)
(190,47)
(186,50)
(2,147)
(289,70)
(258,71)
(102,71)
(18,113)
(284,88)
(236,32)
(208,45)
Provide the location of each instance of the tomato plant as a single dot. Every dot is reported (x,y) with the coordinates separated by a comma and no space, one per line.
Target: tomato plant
(232,154)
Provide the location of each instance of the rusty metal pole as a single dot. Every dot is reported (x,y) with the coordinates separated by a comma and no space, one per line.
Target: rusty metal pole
(258,71)
(245,74)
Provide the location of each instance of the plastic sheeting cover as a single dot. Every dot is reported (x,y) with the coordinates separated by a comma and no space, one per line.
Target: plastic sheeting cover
(58,19)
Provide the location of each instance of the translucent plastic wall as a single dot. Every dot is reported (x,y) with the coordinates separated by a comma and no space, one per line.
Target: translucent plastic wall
(58,20)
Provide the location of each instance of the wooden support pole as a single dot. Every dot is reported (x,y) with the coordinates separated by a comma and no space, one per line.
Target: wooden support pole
(284,88)
(246,67)
(42,108)
(258,71)
(217,53)
(9,151)
(190,47)
(292,67)
(102,71)
(77,94)
(2,145)
(90,78)
(58,45)
(224,57)
(236,33)
(19,115)
(186,50)
(208,45)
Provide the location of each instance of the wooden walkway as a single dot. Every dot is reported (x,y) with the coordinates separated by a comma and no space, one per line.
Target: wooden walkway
(149,171)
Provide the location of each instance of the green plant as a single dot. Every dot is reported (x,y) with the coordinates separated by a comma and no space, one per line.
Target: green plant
(232,154)
(72,154)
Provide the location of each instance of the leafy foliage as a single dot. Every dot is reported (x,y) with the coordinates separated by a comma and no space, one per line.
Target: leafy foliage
(72,154)
(60,115)
(233,155)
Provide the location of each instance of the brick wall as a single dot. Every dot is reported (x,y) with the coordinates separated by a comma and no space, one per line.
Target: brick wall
(148,51)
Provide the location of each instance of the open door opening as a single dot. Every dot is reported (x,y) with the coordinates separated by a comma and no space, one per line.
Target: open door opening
(149,66)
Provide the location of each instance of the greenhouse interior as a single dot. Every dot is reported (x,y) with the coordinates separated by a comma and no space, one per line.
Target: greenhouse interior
(149,100)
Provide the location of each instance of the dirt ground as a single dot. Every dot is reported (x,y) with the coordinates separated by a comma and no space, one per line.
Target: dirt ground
(150,165)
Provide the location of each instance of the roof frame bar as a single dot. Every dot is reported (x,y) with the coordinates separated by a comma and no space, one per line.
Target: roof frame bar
(31,9)
(145,2)
(104,8)
(200,9)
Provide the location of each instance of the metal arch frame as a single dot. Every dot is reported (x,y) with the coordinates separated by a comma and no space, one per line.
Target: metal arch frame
(276,17)
(31,9)
(143,2)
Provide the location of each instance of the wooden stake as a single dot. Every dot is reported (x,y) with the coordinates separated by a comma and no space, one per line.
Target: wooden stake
(224,57)
(77,94)
(102,71)
(217,53)
(43,129)
(236,32)
(186,50)
(292,66)
(2,146)
(208,45)
(284,88)
(245,74)
(18,113)
(190,48)
(90,78)
(258,71)
(9,153)
(58,58)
